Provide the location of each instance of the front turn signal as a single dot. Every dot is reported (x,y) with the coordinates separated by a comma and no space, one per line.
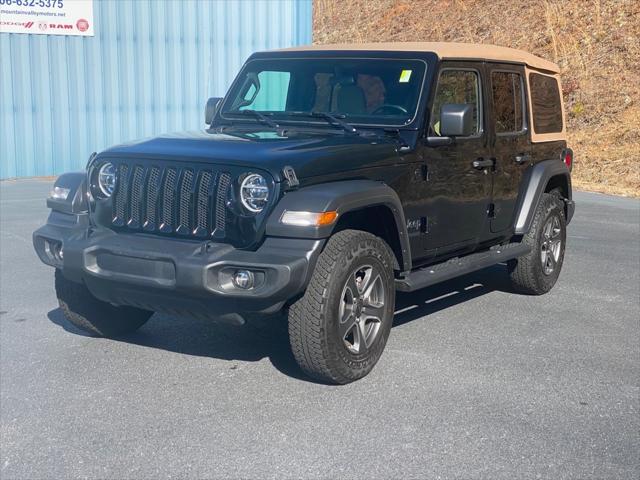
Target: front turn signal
(308,219)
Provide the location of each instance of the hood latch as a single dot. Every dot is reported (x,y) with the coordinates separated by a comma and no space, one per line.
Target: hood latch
(290,176)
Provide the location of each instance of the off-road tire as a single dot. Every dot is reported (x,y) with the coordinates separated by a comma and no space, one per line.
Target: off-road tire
(313,320)
(527,272)
(98,318)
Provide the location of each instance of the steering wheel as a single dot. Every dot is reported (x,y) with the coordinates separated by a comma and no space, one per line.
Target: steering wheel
(386,107)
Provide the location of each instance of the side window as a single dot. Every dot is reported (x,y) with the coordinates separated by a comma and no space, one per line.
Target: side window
(545,102)
(272,96)
(456,86)
(508,102)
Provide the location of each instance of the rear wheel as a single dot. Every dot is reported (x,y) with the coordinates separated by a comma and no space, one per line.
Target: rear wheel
(98,318)
(537,272)
(339,328)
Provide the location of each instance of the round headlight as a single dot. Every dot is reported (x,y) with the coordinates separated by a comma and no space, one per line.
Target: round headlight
(107,179)
(254,192)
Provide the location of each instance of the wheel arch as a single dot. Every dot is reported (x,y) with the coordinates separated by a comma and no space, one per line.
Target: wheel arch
(560,183)
(361,204)
(379,221)
(543,177)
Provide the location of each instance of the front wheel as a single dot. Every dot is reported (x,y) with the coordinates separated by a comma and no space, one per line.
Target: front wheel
(537,272)
(98,318)
(339,328)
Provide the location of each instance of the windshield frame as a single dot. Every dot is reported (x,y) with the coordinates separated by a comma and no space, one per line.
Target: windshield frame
(310,121)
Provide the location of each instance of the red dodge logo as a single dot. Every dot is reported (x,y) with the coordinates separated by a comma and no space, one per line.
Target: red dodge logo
(82,25)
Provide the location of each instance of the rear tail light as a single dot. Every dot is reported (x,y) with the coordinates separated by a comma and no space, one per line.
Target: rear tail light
(567,158)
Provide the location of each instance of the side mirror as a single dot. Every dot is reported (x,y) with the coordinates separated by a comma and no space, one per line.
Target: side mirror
(456,120)
(211,109)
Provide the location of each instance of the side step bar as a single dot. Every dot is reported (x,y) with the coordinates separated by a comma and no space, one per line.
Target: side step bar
(425,277)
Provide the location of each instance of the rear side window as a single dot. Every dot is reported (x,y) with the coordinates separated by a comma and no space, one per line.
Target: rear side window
(508,102)
(456,86)
(545,100)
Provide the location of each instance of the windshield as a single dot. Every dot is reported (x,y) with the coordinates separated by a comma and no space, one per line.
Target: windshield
(382,92)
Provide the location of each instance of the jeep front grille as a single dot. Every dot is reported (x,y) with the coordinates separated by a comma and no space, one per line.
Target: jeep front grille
(189,202)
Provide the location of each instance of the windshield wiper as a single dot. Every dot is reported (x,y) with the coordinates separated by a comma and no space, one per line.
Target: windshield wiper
(335,119)
(258,115)
(332,119)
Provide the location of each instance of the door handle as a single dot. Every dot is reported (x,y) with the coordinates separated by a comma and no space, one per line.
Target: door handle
(483,163)
(524,158)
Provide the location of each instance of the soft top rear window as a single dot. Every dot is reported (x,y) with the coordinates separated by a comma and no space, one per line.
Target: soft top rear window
(545,102)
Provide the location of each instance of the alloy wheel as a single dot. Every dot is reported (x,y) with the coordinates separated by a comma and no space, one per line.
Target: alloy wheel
(361,311)
(551,245)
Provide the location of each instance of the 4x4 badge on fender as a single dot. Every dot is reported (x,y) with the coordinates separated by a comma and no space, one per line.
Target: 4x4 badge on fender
(413,225)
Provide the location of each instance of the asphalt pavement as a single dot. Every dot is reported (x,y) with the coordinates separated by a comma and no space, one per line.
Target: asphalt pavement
(475,382)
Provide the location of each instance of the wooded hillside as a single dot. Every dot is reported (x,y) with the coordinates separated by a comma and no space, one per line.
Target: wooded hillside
(595,42)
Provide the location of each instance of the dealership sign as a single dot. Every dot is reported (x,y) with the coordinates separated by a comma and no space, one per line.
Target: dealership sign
(47,17)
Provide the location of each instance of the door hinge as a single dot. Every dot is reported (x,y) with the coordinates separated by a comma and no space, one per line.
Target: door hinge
(424,170)
(491,210)
(424,224)
(422,173)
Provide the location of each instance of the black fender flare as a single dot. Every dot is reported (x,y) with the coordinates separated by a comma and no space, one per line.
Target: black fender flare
(76,201)
(536,179)
(342,197)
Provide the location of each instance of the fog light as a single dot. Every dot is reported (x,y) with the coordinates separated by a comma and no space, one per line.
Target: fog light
(57,251)
(243,279)
(54,251)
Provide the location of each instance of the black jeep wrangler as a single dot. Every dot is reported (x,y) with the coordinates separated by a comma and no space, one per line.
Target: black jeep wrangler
(328,178)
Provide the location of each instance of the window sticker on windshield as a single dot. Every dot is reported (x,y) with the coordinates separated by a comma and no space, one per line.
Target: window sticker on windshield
(405,76)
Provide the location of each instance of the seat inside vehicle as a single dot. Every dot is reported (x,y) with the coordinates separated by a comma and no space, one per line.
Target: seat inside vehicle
(347,97)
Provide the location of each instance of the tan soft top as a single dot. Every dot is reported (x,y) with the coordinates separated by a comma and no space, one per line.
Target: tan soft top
(445,50)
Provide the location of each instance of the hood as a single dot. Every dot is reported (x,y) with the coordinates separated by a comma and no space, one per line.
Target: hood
(309,153)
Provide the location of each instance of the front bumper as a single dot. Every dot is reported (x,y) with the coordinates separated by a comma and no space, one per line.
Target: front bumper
(171,275)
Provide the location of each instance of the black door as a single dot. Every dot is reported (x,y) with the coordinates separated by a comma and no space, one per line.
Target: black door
(458,193)
(510,142)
